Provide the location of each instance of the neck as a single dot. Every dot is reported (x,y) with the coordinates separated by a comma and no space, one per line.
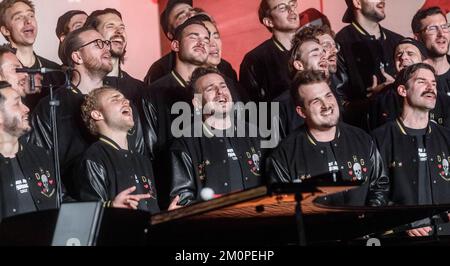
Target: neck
(415,119)
(221,123)
(25,54)
(323,134)
(185,70)
(119,137)
(373,28)
(285,38)
(440,64)
(9,145)
(89,81)
(116,67)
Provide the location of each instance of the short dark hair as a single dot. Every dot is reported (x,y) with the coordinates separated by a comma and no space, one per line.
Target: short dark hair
(191,21)
(406,74)
(304,35)
(6,4)
(303,78)
(264,12)
(70,44)
(93,21)
(201,72)
(416,23)
(3,85)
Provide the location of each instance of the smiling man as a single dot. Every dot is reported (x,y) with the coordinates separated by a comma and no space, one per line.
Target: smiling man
(111,26)
(430,26)
(27,183)
(324,146)
(218,159)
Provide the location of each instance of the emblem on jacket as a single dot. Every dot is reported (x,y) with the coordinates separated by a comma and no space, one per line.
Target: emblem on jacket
(148,186)
(254,161)
(202,170)
(45,183)
(443,165)
(357,169)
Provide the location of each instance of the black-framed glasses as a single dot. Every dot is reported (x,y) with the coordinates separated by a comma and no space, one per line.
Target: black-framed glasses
(98,42)
(283,7)
(433,29)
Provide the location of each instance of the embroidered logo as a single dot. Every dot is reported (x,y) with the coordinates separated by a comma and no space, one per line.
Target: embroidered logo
(357,169)
(45,182)
(254,161)
(443,165)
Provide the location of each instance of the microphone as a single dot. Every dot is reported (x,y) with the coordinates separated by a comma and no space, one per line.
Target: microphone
(42,70)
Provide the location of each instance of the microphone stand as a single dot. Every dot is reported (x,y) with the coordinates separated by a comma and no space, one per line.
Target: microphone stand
(54,103)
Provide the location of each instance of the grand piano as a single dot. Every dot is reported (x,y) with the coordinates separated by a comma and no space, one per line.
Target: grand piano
(288,214)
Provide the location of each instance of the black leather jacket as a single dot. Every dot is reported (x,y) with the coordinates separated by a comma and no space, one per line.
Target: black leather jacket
(399,153)
(300,157)
(74,137)
(199,162)
(106,170)
(264,72)
(37,167)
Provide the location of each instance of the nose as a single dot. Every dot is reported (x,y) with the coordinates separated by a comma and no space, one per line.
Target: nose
(126,102)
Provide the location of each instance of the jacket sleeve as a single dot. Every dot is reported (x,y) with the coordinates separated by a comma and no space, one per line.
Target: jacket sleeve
(149,125)
(183,176)
(93,181)
(379,180)
(42,133)
(276,171)
(249,80)
(138,135)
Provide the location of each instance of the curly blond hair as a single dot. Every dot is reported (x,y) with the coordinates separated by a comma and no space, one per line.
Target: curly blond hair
(91,103)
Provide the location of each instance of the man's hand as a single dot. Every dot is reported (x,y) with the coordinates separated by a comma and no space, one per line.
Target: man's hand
(377,88)
(125,200)
(419,232)
(174,204)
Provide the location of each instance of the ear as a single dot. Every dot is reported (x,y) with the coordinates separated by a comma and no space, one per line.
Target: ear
(401,90)
(62,37)
(76,58)
(298,65)
(357,4)
(301,111)
(175,46)
(97,115)
(5,32)
(268,22)
(197,102)
(170,36)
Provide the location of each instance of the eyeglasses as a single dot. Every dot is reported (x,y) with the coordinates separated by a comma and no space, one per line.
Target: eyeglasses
(98,42)
(433,29)
(283,7)
(329,46)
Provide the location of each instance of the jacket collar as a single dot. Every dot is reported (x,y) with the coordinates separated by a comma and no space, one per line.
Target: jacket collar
(279,45)
(179,79)
(361,30)
(110,143)
(314,142)
(402,128)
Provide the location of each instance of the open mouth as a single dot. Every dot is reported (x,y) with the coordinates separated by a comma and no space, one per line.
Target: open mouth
(381,5)
(327,112)
(28,31)
(442,41)
(118,40)
(429,95)
(323,65)
(214,53)
(127,111)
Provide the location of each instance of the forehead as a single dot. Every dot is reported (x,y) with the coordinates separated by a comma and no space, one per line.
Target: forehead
(195,28)
(18,7)
(424,73)
(325,38)
(312,91)
(109,17)
(436,19)
(90,35)
(273,3)
(77,18)
(309,46)
(181,7)
(407,47)
(9,94)
(10,58)
(209,79)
